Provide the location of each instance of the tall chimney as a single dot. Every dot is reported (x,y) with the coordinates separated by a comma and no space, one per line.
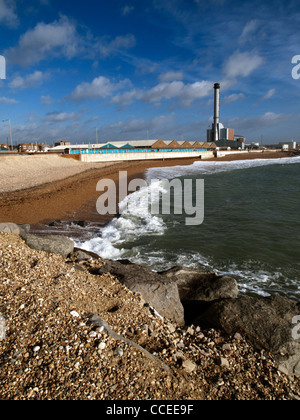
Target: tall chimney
(216,125)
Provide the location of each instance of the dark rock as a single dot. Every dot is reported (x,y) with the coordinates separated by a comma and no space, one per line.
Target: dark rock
(51,244)
(265,322)
(200,285)
(83,255)
(81,223)
(161,293)
(55,223)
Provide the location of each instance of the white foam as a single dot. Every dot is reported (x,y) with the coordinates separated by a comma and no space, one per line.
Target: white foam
(135,221)
(210,168)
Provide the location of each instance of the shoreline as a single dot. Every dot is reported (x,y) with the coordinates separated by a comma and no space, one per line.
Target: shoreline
(74,197)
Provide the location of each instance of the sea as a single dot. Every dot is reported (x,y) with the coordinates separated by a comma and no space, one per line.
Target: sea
(250,229)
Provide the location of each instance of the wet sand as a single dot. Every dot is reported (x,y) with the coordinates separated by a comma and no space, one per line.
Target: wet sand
(74,197)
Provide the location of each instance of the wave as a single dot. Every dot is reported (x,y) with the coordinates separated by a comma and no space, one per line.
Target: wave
(210,168)
(135,221)
(136,234)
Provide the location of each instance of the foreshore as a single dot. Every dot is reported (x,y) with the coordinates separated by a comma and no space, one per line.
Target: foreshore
(38,189)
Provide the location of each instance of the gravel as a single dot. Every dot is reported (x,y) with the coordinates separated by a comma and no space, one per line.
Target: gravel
(19,172)
(50,351)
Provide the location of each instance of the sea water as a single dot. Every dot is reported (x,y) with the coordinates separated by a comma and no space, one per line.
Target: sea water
(251,228)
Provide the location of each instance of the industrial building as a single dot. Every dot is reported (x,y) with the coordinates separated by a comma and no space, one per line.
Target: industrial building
(221,136)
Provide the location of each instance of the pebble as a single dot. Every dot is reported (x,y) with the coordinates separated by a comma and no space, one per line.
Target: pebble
(75,314)
(101,346)
(189,366)
(224,363)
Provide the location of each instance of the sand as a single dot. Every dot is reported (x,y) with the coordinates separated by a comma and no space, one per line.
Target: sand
(38,189)
(20,172)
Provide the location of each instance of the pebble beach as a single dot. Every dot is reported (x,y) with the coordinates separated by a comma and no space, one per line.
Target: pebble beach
(51,352)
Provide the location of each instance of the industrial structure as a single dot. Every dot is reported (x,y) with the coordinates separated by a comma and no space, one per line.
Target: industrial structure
(221,136)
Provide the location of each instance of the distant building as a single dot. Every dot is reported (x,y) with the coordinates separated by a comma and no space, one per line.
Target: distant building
(30,148)
(131,145)
(292,145)
(63,143)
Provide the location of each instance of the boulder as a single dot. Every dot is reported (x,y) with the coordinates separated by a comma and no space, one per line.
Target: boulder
(14,229)
(11,228)
(83,255)
(51,244)
(198,285)
(161,293)
(266,322)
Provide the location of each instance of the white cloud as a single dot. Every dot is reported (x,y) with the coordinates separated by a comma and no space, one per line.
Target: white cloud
(269,119)
(44,41)
(99,88)
(171,76)
(31,80)
(115,46)
(46,100)
(58,117)
(127,10)
(249,31)
(242,64)
(268,95)
(186,93)
(8,101)
(139,127)
(8,16)
(233,98)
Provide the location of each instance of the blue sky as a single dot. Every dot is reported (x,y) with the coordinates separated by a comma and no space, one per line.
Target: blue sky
(138,69)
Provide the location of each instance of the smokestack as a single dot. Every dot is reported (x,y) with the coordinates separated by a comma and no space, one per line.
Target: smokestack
(216,125)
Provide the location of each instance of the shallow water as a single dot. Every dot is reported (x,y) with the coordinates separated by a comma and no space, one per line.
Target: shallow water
(251,228)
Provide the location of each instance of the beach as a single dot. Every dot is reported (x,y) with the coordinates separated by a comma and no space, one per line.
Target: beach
(73,328)
(37,189)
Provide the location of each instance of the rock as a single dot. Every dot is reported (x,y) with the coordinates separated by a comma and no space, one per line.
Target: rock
(75,314)
(83,255)
(160,292)
(102,346)
(51,244)
(24,229)
(265,322)
(224,363)
(11,228)
(189,366)
(200,285)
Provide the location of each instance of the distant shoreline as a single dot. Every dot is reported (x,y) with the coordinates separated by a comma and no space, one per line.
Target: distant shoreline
(68,188)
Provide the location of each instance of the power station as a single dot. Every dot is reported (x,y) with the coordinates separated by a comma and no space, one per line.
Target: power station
(221,136)
(216,124)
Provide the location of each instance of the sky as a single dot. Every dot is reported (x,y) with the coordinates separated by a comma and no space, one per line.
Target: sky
(145,69)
